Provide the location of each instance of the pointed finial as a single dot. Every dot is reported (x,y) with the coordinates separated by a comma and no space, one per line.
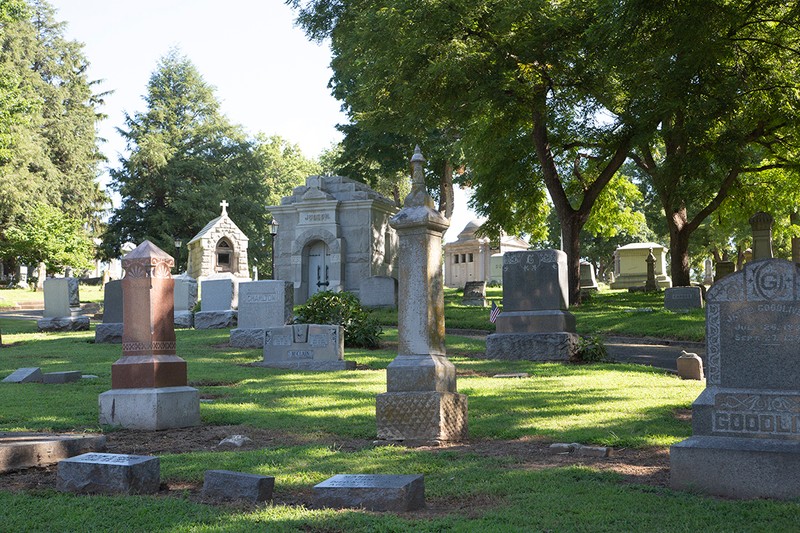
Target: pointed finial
(418,195)
(224,205)
(417,155)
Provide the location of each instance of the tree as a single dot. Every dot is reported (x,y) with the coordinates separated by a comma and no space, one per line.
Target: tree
(49,236)
(185,157)
(719,81)
(539,112)
(48,114)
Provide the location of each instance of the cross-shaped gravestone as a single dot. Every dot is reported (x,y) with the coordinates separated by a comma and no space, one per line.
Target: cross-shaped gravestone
(224,205)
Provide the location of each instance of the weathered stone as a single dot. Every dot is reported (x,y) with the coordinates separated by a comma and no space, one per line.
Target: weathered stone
(378,292)
(56,298)
(761,225)
(184,319)
(421,402)
(65,323)
(150,408)
(513,375)
(690,366)
(683,298)
(74,291)
(109,473)
(746,427)
(219,248)
(262,305)
(70,376)
(215,319)
(25,450)
(305,347)
(562,447)
(594,451)
(185,295)
(235,441)
(474,294)
(25,375)
(630,266)
(108,333)
(532,346)
(723,269)
(374,492)
(227,485)
(588,279)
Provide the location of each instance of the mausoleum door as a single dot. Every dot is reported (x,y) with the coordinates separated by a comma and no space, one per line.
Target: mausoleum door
(318,268)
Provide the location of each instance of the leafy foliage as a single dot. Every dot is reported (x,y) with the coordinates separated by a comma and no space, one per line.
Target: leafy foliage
(591,349)
(186,157)
(50,236)
(343,308)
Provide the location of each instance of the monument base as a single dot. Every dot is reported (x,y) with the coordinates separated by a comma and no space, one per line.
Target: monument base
(183,319)
(736,467)
(108,333)
(532,346)
(318,366)
(215,319)
(247,337)
(474,302)
(63,323)
(151,409)
(545,321)
(422,416)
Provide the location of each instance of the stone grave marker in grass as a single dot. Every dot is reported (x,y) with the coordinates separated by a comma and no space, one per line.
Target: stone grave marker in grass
(746,423)
(374,492)
(109,473)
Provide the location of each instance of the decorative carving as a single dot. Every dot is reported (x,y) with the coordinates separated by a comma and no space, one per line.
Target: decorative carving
(713,340)
(770,281)
(757,402)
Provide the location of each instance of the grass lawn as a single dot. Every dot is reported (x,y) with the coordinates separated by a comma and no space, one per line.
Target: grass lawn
(11,297)
(326,423)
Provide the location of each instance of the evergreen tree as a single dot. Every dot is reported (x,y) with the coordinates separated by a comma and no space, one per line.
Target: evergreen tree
(185,158)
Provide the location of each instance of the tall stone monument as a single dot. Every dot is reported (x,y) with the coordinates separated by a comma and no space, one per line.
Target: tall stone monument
(761,225)
(746,423)
(421,402)
(535,323)
(149,382)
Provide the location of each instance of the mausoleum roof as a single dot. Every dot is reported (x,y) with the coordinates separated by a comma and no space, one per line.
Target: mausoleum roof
(642,246)
(334,188)
(222,219)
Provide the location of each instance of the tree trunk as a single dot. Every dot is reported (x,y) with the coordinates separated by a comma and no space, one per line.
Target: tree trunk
(446,198)
(794,218)
(679,248)
(571,225)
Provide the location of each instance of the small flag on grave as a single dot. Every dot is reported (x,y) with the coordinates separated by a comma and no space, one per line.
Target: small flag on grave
(493,314)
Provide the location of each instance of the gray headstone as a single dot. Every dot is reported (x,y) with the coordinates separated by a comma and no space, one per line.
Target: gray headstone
(23,277)
(724,268)
(56,298)
(683,298)
(112,302)
(25,375)
(588,279)
(265,304)
(746,426)
(474,293)
(109,473)
(74,292)
(215,319)
(690,366)
(64,323)
(761,225)
(20,450)
(374,492)
(227,485)
(185,293)
(378,291)
(217,295)
(305,346)
(55,378)
(534,324)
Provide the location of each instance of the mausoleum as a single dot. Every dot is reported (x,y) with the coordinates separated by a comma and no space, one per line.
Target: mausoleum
(630,265)
(472,258)
(333,233)
(219,248)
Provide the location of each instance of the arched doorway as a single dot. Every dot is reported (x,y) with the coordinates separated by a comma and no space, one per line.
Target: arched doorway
(318,268)
(224,254)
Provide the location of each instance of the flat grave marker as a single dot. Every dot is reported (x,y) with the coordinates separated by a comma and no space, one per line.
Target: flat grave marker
(109,473)
(375,492)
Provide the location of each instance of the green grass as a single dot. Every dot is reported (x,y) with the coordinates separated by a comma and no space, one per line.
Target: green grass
(11,297)
(619,405)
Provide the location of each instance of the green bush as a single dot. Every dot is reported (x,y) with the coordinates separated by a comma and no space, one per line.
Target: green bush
(361,330)
(590,350)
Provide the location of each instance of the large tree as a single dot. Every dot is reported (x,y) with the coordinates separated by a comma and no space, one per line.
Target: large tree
(48,113)
(538,111)
(186,157)
(720,81)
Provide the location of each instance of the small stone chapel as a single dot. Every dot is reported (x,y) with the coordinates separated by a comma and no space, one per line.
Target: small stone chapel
(219,248)
(333,234)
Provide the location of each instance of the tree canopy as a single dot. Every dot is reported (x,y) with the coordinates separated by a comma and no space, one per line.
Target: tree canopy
(185,157)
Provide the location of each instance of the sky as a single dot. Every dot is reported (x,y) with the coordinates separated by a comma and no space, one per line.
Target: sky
(268,76)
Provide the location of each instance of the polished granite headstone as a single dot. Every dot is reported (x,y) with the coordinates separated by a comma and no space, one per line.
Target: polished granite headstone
(746,423)
(262,305)
(110,331)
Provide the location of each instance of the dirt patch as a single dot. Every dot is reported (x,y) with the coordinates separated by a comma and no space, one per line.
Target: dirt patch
(649,466)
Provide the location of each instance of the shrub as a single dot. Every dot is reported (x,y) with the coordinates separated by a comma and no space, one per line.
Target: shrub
(590,350)
(360,328)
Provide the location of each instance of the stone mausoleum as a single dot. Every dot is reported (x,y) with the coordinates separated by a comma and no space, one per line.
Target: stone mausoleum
(219,248)
(333,233)
(472,258)
(630,265)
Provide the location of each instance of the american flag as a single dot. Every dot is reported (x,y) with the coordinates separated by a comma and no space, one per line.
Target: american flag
(494,313)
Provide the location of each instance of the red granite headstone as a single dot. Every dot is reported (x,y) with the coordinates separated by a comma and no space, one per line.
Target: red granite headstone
(148,337)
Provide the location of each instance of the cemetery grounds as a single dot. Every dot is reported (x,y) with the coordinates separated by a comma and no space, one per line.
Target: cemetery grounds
(308,426)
